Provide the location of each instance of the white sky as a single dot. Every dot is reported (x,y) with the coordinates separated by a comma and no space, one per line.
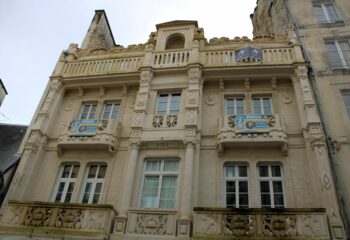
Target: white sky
(34,32)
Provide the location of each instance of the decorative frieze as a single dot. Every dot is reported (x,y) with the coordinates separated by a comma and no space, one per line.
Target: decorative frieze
(261,223)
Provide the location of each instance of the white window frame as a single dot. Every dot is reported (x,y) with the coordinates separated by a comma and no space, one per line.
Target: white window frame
(89,112)
(110,113)
(326,13)
(94,181)
(169,101)
(234,104)
(161,174)
(345,63)
(261,98)
(236,179)
(66,182)
(271,179)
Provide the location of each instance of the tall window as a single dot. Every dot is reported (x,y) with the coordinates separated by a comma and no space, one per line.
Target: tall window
(237,194)
(160,184)
(110,111)
(168,104)
(88,111)
(234,106)
(93,183)
(326,13)
(262,105)
(65,183)
(271,186)
(339,53)
(346,98)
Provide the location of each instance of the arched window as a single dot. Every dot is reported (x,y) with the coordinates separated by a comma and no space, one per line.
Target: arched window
(176,41)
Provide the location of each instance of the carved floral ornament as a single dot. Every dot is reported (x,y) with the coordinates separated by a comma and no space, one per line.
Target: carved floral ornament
(151,224)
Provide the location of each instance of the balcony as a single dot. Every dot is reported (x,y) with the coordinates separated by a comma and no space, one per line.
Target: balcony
(171,59)
(90,133)
(252,131)
(63,221)
(214,223)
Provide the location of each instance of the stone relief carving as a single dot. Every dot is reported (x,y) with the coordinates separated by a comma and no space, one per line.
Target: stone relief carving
(151,224)
(69,218)
(158,121)
(192,99)
(226,40)
(138,120)
(18,179)
(287,97)
(141,101)
(239,225)
(171,120)
(194,73)
(279,226)
(211,99)
(312,226)
(38,216)
(96,220)
(191,116)
(69,105)
(208,223)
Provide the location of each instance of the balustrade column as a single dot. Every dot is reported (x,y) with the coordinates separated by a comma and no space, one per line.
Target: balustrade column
(129,179)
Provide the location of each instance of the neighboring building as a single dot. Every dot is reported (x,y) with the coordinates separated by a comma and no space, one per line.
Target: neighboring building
(11,137)
(323,29)
(177,138)
(3,92)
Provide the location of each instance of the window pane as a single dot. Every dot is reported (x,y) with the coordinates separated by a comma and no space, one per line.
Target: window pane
(334,55)
(239,106)
(171,166)
(265,200)
(263,171)
(267,105)
(276,171)
(278,198)
(115,110)
(87,191)
(162,108)
(153,166)
(85,111)
(332,14)
(69,192)
(264,187)
(346,98)
(257,106)
(92,112)
(277,187)
(97,193)
(230,171)
(75,171)
(230,187)
(230,200)
(175,103)
(66,171)
(319,13)
(243,187)
(107,111)
(102,171)
(59,192)
(242,171)
(149,193)
(92,171)
(168,192)
(243,200)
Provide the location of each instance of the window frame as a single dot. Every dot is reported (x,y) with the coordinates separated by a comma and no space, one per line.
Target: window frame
(326,12)
(235,98)
(262,108)
(160,181)
(236,179)
(114,103)
(345,92)
(169,102)
(94,181)
(270,179)
(345,61)
(66,182)
(90,104)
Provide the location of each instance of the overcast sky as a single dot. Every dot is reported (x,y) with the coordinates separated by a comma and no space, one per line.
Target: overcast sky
(34,32)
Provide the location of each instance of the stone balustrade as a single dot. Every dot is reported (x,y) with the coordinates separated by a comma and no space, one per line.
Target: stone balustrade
(252,131)
(170,59)
(62,220)
(90,133)
(99,67)
(214,223)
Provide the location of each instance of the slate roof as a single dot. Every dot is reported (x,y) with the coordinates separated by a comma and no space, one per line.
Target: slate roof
(10,138)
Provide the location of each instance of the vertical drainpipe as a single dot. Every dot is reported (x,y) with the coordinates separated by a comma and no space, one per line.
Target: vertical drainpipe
(329,144)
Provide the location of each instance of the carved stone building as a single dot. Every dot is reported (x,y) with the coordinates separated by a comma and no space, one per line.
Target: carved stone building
(322,27)
(177,138)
